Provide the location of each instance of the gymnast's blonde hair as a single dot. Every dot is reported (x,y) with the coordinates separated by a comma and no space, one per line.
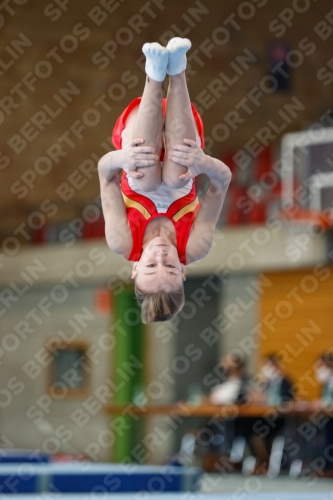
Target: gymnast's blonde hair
(160,305)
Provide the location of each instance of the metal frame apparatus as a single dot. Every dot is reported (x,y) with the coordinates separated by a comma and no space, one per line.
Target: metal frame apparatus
(289,143)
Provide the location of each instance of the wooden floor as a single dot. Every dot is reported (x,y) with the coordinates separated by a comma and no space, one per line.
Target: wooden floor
(234,486)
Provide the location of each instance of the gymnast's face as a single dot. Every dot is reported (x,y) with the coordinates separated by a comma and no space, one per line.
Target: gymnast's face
(159,267)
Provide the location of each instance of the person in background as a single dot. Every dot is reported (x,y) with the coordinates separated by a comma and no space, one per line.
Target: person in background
(324,375)
(277,386)
(276,389)
(233,388)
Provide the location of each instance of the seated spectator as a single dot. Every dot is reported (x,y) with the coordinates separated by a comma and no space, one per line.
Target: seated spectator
(324,375)
(278,387)
(275,388)
(233,389)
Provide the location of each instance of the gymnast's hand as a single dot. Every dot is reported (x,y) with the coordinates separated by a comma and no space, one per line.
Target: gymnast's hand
(190,156)
(197,162)
(134,156)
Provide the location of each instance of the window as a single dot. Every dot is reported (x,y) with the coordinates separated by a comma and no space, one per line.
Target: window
(70,370)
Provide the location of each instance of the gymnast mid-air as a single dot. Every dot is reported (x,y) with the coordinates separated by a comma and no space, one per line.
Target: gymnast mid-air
(152,215)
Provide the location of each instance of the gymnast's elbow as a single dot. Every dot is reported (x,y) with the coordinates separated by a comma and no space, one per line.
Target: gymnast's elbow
(199,249)
(117,243)
(114,246)
(105,165)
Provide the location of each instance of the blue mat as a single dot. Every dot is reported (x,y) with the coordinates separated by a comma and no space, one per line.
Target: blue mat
(19,456)
(183,496)
(84,477)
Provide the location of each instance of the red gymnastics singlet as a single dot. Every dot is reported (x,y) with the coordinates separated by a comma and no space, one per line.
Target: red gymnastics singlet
(141,209)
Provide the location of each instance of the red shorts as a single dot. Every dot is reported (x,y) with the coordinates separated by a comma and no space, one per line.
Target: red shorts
(121,123)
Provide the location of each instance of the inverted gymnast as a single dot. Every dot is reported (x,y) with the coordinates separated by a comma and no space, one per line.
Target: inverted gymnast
(153,216)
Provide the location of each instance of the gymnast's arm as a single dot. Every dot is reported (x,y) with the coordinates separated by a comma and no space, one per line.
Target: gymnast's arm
(117,231)
(197,162)
(202,234)
(130,158)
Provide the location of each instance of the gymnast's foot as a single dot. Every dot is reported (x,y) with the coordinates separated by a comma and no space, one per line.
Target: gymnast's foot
(156,60)
(177,48)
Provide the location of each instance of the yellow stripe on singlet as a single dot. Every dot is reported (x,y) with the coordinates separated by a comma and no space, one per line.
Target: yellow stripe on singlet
(135,204)
(185,210)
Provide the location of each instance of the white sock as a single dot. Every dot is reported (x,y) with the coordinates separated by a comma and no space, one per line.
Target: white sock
(156,60)
(177,48)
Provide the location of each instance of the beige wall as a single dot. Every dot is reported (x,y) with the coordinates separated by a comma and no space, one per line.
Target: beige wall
(29,417)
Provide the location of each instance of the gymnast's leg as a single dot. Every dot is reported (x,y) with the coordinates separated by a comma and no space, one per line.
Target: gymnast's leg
(146,121)
(179,121)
